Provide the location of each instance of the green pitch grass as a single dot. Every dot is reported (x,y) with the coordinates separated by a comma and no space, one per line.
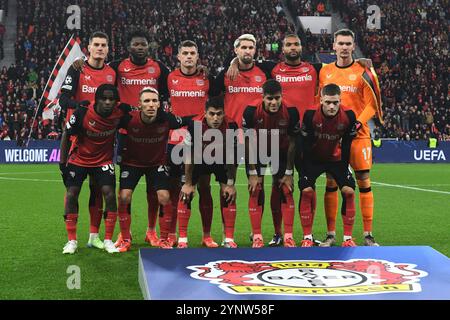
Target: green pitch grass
(411,208)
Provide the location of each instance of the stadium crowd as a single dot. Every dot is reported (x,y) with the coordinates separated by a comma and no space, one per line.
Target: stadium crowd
(415,91)
(40,40)
(410,54)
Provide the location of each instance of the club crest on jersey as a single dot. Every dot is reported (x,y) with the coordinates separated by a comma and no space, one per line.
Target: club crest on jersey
(340,126)
(352,77)
(109,78)
(258,78)
(124,174)
(68,80)
(311,278)
(151,70)
(200,82)
(72,119)
(72,174)
(305,69)
(161,130)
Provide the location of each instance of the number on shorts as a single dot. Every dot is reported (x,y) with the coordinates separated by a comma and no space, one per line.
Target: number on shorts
(366,153)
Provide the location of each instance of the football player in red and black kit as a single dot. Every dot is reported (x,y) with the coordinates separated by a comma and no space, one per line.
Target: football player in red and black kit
(189,90)
(91,152)
(225,172)
(79,88)
(272,117)
(145,153)
(299,81)
(133,74)
(326,137)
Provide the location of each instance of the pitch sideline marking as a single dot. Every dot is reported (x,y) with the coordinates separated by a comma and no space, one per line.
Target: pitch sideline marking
(407,187)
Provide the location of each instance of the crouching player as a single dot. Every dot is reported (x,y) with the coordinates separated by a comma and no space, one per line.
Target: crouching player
(326,136)
(273,117)
(94,129)
(196,169)
(144,153)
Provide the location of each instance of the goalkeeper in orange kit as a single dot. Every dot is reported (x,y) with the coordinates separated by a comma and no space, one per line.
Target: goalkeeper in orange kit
(360,91)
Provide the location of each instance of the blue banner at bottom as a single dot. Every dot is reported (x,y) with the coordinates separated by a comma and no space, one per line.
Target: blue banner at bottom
(361,273)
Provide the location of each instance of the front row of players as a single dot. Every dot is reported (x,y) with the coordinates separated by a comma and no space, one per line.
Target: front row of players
(320,145)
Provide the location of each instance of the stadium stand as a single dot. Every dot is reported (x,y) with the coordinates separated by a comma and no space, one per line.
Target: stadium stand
(410,54)
(415,91)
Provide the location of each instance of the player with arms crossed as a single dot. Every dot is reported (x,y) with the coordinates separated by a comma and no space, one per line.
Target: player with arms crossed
(92,153)
(271,116)
(360,92)
(213,119)
(326,136)
(79,89)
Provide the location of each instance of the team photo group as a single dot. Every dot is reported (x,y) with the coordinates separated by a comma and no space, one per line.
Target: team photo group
(186,130)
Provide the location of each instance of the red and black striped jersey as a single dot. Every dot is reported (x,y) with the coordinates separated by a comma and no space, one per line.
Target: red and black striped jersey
(93,145)
(328,139)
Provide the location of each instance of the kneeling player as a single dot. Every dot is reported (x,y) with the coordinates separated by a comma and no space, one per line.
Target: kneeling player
(327,133)
(91,153)
(273,117)
(144,153)
(214,118)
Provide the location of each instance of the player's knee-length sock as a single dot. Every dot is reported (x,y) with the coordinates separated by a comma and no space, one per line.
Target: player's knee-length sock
(366,203)
(71,225)
(255,209)
(275,206)
(206,208)
(152,208)
(184,214)
(331,201)
(174,196)
(110,224)
(229,217)
(125,219)
(287,209)
(165,220)
(95,208)
(348,213)
(306,212)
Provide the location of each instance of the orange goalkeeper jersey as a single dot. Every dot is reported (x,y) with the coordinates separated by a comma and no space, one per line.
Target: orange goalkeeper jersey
(360,91)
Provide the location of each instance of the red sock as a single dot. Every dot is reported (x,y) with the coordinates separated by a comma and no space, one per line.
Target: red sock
(152,208)
(229,217)
(71,225)
(110,224)
(287,208)
(255,209)
(174,196)
(184,213)
(95,208)
(206,208)
(125,220)
(314,202)
(165,220)
(306,213)
(275,206)
(348,213)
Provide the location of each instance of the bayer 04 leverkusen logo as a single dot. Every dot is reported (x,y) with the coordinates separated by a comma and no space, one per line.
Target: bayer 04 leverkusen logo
(311,278)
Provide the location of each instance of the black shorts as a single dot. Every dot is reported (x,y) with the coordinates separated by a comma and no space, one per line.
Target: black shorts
(262,167)
(101,176)
(156,177)
(176,170)
(219,170)
(339,171)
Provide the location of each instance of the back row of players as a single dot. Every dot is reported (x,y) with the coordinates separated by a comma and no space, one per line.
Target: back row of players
(101,96)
